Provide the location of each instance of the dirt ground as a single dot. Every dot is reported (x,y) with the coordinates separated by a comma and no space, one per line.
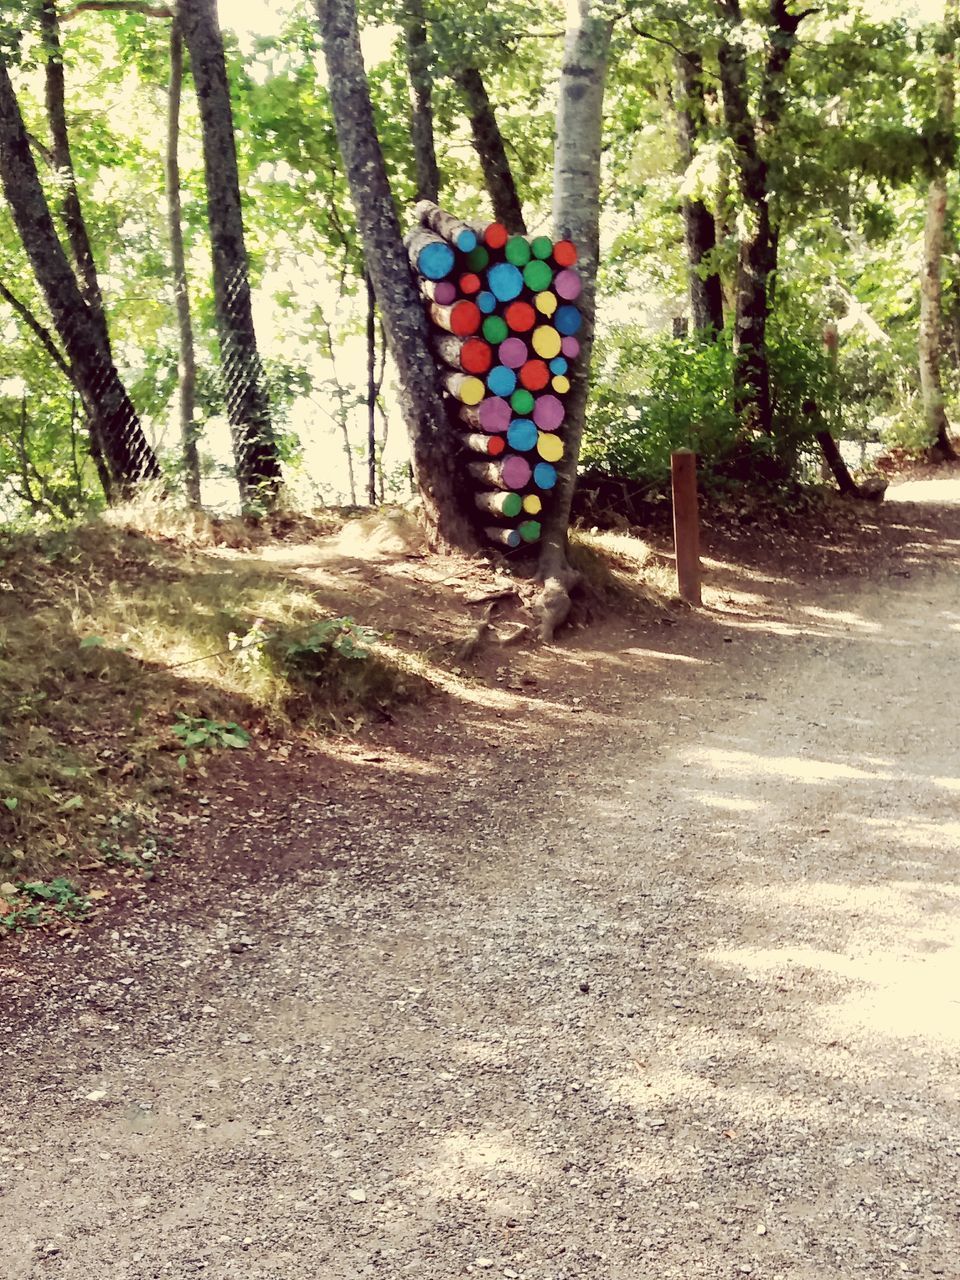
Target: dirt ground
(643,963)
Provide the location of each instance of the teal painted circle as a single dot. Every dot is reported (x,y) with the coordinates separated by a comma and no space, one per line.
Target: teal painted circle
(558,365)
(522,434)
(501,381)
(504,281)
(435,261)
(544,475)
(466,240)
(486,302)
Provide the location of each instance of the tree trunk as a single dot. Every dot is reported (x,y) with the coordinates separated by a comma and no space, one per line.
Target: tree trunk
(115,430)
(188,361)
(576,216)
(372,391)
(421,101)
(751,371)
(706,290)
(489,146)
(397,297)
(248,407)
(931,386)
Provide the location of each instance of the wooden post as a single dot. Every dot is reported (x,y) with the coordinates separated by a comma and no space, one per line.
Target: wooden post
(686,524)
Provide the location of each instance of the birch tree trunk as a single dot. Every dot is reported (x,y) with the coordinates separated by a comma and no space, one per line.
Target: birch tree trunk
(188,362)
(116,435)
(576,216)
(491,152)
(706,291)
(931,385)
(421,101)
(931,317)
(257,459)
(386,259)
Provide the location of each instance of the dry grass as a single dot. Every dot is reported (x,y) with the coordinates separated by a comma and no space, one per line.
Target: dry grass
(107,635)
(622,573)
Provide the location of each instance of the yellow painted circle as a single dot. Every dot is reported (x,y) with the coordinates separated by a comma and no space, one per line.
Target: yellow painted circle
(546,342)
(532,505)
(546,303)
(472,391)
(549,446)
(561,384)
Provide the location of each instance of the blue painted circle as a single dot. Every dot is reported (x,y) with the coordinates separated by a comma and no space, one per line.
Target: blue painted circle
(501,381)
(466,240)
(558,365)
(567,320)
(435,260)
(486,302)
(544,475)
(505,282)
(522,434)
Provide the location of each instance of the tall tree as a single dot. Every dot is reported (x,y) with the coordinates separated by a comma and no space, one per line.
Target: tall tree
(115,430)
(389,269)
(576,216)
(420,74)
(188,359)
(491,151)
(255,449)
(705,285)
(931,318)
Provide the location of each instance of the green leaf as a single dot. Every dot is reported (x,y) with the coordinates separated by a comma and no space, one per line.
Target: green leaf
(92,642)
(11,802)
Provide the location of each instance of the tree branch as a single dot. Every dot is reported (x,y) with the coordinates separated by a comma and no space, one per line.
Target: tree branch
(117,6)
(40,331)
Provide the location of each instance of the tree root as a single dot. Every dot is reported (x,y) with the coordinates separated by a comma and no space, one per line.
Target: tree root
(553,605)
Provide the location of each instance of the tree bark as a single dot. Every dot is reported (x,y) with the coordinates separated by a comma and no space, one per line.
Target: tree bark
(489,146)
(931,385)
(254,445)
(386,259)
(706,288)
(576,216)
(115,430)
(421,101)
(372,392)
(188,361)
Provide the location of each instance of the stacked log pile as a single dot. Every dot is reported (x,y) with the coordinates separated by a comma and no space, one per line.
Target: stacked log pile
(504,321)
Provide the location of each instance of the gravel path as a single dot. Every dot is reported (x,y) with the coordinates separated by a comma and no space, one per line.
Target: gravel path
(680,999)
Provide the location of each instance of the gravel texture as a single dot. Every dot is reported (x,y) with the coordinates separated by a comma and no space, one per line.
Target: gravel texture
(659,980)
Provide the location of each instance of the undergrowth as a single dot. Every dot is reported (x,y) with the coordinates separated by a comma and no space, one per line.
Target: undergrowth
(126,659)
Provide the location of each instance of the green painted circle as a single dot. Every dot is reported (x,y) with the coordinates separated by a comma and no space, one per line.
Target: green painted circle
(542,247)
(512,505)
(517,251)
(537,276)
(522,402)
(530,530)
(478,258)
(495,329)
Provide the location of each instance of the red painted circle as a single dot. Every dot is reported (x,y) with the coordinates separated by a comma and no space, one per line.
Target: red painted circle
(495,236)
(476,356)
(470,283)
(520,317)
(534,375)
(496,446)
(565,253)
(465,318)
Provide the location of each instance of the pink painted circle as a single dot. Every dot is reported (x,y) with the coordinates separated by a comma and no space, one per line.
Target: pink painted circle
(568,284)
(513,352)
(494,414)
(570,347)
(548,412)
(444,292)
(515,472)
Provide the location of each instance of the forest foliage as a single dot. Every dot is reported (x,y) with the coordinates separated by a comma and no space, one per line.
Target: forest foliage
(801,145)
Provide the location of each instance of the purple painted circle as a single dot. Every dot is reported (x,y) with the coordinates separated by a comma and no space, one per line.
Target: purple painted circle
(494,414)
(513,352)
(567,284)
(444,292)
(515,472)
(570,346)
(548,413)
